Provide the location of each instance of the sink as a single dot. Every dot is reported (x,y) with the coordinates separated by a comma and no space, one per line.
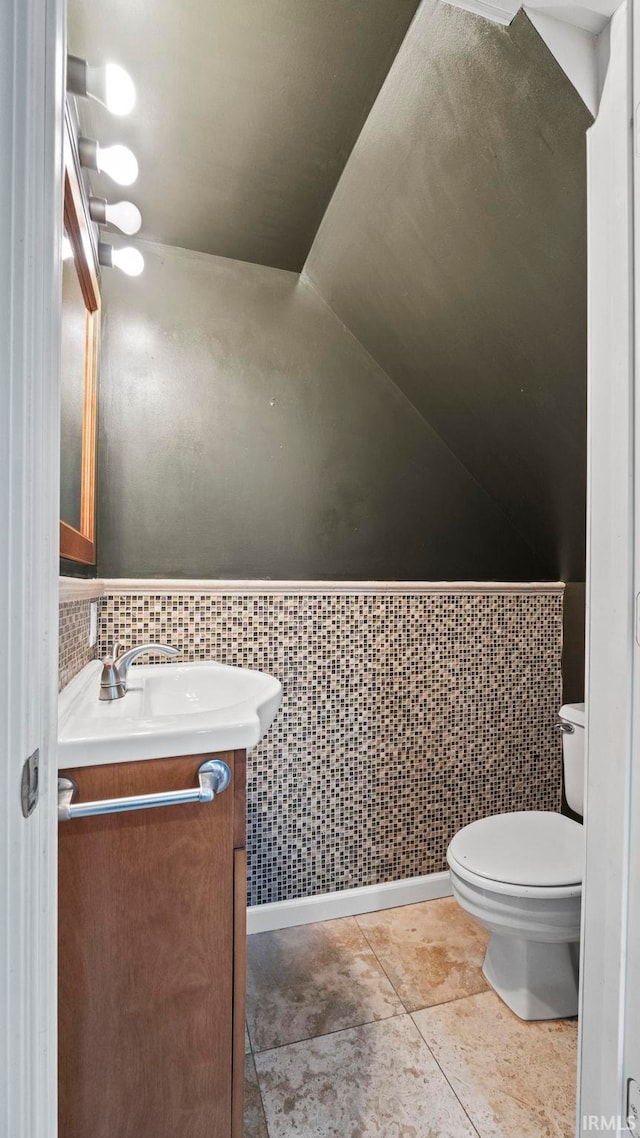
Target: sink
(168,710)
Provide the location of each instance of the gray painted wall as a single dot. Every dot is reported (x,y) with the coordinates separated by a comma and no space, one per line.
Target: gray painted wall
(455,250)
(245,433)
(573,642)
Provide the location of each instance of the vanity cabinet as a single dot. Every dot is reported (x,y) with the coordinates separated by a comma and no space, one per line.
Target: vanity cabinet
(152,907)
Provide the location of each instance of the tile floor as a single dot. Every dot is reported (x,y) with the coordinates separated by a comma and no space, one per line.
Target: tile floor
(383,1026)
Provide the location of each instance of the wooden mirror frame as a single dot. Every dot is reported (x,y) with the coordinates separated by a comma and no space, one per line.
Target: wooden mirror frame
(79,544)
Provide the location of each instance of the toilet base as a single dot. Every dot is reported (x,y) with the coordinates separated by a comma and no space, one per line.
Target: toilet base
(536,979)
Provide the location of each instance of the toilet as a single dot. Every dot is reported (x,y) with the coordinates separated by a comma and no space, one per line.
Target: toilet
(520,875)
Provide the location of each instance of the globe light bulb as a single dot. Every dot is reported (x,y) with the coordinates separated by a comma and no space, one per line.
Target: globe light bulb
(124,215)
(66,250)
(111,85)
(118,162)
(120,91)
(130,260)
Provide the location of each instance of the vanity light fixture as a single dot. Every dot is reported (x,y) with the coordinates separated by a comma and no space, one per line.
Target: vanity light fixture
(109,84)
(124,215)
(118,162)
(128,259)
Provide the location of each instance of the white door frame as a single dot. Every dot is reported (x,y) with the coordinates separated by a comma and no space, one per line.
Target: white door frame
(631,1043)
(31,102)
(31,99)
(610,596)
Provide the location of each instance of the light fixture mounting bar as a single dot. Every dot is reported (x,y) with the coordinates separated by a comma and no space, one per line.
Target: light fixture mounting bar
(77,76)
(105,255)
(88,153)
(98,210)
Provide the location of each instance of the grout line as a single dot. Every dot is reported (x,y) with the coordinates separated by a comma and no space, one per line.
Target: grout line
(451,1000)
(336,1031)
(411,1015)
(425,1007)
(446,1077)
(261,1096)
(403,1015)
(381,964)
(365,1023)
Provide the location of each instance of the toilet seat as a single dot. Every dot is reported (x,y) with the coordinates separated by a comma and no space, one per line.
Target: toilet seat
(532,853)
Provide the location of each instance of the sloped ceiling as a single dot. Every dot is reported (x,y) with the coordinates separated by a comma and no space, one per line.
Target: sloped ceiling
(247,111)
(455,250)
(454,246)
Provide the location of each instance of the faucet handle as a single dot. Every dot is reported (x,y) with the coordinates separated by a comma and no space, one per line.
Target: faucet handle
(111,686)
(116,648)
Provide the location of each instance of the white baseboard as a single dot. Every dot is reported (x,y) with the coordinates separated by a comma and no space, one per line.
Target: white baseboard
(347,902)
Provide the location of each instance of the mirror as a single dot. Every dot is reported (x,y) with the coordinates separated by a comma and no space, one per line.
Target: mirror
(79,348)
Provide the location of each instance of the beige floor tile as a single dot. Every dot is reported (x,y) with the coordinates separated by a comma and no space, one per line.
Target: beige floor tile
(312,980)
(254,1121)
(431,952)
(376,1081)
(511,1077)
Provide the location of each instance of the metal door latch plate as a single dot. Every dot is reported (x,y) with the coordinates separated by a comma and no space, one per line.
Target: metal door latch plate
(29,784)
(633,1105)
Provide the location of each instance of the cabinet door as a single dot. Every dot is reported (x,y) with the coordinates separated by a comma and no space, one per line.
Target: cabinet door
(146,960)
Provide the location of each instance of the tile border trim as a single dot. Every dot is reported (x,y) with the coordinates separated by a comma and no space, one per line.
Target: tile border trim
(347,902)
(117,586)
(80,589)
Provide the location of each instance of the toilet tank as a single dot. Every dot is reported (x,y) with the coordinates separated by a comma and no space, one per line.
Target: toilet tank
(572,728)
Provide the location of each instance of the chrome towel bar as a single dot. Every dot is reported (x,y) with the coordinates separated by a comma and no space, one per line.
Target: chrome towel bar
(214,777)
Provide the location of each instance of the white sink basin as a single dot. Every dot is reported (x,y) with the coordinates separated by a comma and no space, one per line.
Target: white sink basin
(169,709)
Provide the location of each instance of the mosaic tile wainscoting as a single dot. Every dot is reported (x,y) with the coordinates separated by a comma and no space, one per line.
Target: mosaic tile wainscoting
(73,639)
(404,716)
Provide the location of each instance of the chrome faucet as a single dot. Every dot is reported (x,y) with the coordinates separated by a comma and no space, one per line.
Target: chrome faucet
(115,668)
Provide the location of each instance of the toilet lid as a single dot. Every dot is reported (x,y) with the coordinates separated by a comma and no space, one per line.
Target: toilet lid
(531,847)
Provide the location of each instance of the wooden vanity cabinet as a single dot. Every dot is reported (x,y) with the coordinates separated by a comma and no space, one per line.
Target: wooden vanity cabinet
(152,907)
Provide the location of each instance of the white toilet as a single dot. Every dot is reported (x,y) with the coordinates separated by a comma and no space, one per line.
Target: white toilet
(520,875)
